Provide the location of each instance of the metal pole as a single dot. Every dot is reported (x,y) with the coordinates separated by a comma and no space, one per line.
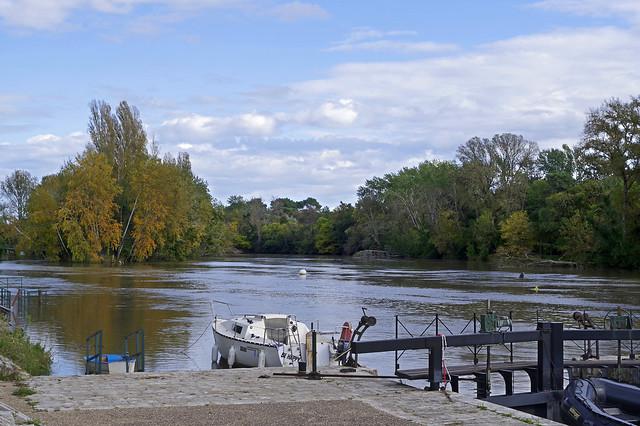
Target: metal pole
(632,355)
(437,320)
(488,372)
(511,329)
(397,366)
(475,347)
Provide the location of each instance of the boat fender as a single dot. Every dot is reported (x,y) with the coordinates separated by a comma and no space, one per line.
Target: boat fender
(214,356)
(231,359)
(261,359)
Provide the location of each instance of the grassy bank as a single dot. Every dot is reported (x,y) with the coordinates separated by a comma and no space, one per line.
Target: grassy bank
(31,357)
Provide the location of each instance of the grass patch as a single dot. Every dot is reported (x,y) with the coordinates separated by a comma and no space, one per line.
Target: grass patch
(23,390)
(31,357)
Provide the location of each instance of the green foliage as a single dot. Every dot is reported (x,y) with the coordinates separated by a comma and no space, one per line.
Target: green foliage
(23,390)
(31,357)
(516,234)
(483,236)
(119,201)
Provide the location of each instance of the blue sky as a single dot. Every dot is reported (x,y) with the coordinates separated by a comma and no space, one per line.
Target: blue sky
(279,98)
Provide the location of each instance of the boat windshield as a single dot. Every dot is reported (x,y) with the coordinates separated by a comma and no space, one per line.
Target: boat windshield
(277,329)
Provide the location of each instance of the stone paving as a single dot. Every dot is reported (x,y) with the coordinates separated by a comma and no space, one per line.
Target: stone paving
(261,386)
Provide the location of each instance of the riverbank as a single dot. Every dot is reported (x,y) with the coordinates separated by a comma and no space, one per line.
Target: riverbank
(251,396)
(18,355)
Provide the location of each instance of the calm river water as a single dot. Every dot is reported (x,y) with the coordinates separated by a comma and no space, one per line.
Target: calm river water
(173,303)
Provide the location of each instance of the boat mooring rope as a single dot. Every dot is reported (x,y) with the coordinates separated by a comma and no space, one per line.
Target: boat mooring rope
(446,377)
(184,351)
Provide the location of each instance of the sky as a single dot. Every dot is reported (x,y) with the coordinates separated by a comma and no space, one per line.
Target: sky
(294,99)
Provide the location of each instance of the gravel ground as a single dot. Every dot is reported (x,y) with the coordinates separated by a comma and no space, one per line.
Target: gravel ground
(316,413)
(247,397)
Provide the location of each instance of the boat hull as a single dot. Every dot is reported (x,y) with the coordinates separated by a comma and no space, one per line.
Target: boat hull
(247,354)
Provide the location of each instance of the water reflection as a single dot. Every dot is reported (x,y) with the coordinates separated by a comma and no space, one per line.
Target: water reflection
(174,303)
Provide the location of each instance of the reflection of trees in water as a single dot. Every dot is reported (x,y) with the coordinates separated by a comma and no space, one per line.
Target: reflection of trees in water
(110,303)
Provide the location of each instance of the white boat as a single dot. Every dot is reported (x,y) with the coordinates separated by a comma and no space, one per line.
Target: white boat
(264,340)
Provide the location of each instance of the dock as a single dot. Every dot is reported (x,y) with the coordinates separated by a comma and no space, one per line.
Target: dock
(255,396)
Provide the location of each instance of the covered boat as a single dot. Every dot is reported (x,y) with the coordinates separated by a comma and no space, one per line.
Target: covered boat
(260,340)
(600,401)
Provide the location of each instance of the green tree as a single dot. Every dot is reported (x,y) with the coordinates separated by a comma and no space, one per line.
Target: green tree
(516,235)
(483,236)
(577,238)
(325,242)
(611,146)
(16,189)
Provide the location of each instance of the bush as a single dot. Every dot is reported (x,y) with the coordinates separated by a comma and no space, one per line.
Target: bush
(31,357)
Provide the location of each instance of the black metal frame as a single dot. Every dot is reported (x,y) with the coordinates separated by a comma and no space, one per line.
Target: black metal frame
(549,335)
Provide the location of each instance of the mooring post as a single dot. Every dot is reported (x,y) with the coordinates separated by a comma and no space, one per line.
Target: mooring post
(435,366)
(544,356)
(557,356)
(314,361)
(550,356)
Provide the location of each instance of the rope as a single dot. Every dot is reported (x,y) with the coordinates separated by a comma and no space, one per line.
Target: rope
(184,351)
(446,377)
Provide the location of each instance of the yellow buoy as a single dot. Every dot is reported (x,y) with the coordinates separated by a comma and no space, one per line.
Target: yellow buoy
(535,289)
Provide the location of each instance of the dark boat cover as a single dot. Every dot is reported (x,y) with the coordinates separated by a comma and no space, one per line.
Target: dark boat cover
(596,402)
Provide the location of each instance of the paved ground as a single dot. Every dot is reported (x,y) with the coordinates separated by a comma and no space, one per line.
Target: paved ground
(247,397)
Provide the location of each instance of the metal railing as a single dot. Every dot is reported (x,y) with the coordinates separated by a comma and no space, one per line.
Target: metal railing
(138,351)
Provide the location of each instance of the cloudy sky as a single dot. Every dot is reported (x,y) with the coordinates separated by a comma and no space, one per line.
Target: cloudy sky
(295,98)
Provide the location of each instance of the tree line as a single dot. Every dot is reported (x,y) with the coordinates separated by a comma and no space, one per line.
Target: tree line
(119,202)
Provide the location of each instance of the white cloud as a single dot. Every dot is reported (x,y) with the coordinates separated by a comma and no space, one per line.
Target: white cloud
(365,38)
(51,14)
(296,10)
(43,139)
(394,46)
(626,9)
(203,127)
(342,112)
(539,85)
(41,154)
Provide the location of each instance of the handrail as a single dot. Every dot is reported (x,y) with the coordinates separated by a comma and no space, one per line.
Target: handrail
(549,336)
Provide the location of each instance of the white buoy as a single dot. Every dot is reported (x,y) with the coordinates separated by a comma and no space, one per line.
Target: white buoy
(261,359)
(302,272)
(214,356)
(231,359)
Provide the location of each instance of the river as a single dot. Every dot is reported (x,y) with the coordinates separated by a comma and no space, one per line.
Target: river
(174,302)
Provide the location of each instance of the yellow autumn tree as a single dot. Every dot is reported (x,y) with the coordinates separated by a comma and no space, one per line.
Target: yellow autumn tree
(151,184)
(87,215)
(516,234)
